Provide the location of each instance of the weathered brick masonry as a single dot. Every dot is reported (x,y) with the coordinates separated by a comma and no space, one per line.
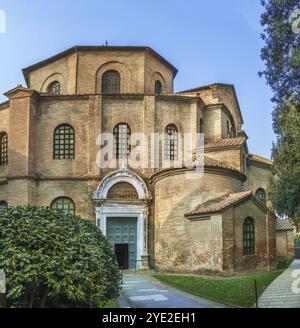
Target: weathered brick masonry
(168,236)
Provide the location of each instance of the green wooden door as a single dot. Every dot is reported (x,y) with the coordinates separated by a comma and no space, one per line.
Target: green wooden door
(124,231)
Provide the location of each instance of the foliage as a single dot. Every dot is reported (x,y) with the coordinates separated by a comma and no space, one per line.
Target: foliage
(281,52)
(284,263)
(55,260)
(281,55)
(238,291)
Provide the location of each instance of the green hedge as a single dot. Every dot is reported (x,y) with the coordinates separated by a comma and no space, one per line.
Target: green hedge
(55,260)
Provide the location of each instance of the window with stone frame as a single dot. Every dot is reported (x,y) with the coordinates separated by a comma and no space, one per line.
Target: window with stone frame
(122,141)
(64,142)
(111,82)
(54,88)
(158,87)
(249,237)
(261,195)
(64,204)
(171,137)
(3,149)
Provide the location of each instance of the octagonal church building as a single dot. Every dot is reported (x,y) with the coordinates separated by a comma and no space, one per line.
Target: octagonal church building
(168,217)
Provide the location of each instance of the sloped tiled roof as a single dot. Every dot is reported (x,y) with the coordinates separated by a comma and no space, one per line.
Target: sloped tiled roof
(284,225)
(260,159)
(208,163)
(224,143)
(219,204)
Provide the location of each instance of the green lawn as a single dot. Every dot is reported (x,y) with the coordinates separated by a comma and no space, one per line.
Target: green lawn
(235,291)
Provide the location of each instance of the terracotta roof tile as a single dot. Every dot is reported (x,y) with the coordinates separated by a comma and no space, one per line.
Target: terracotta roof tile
(219,204)
(260,159)
(225,143)
(284,225)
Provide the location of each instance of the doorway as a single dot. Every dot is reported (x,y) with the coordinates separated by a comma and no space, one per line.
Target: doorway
(121,251)
(123,234)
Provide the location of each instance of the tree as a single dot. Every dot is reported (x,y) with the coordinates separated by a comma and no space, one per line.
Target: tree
(281,55)
(53,259)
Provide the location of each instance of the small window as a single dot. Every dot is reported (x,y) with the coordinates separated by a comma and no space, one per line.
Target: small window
(171,143)
(201,126)
(261,195)
(249,237)
(64,204)
(3,149)
(54,88)
(111,82)
(3,205)
(64,142)
(122,141)
(158,88)
(228,130)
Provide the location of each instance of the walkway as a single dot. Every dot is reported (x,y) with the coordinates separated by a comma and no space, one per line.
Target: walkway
(140,291)
(284,291)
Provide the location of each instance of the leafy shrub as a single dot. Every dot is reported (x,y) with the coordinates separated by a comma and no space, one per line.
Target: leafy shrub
(55,260)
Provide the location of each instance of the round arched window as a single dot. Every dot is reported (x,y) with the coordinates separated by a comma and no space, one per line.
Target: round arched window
(249,236)
(261,195)
(122,141)
(64,204)
(158,88)
(123,190)
(54,88)
(111,82)
(171,143)
(3,149)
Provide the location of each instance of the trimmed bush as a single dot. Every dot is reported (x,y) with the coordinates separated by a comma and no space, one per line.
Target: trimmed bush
(53,259)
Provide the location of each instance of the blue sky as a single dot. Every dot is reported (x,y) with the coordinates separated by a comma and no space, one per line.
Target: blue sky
(217,41)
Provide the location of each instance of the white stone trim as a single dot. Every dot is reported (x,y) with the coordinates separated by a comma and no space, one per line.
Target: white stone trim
(112,209)
(122,176)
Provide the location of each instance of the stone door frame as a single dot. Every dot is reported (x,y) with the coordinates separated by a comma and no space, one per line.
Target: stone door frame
(107,208)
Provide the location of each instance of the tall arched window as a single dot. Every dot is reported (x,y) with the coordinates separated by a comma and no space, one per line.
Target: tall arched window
(64,204)
(3,205)
(111,82)
(261,195)
(249,236)
(201,126)
(122,141)
(3,149)
(64,142)
(228,130)
(54,88)
(171,143)
(158,87)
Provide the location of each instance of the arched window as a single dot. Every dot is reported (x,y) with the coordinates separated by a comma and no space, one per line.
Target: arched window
(249,237)
(201,126)
(3,205)
(64,204)
(261,195)
(64,142)
(228,130)
(171,143)
(111,82)
(122,141)
(3,149)
(158,87)
(54,88)
(122,190)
